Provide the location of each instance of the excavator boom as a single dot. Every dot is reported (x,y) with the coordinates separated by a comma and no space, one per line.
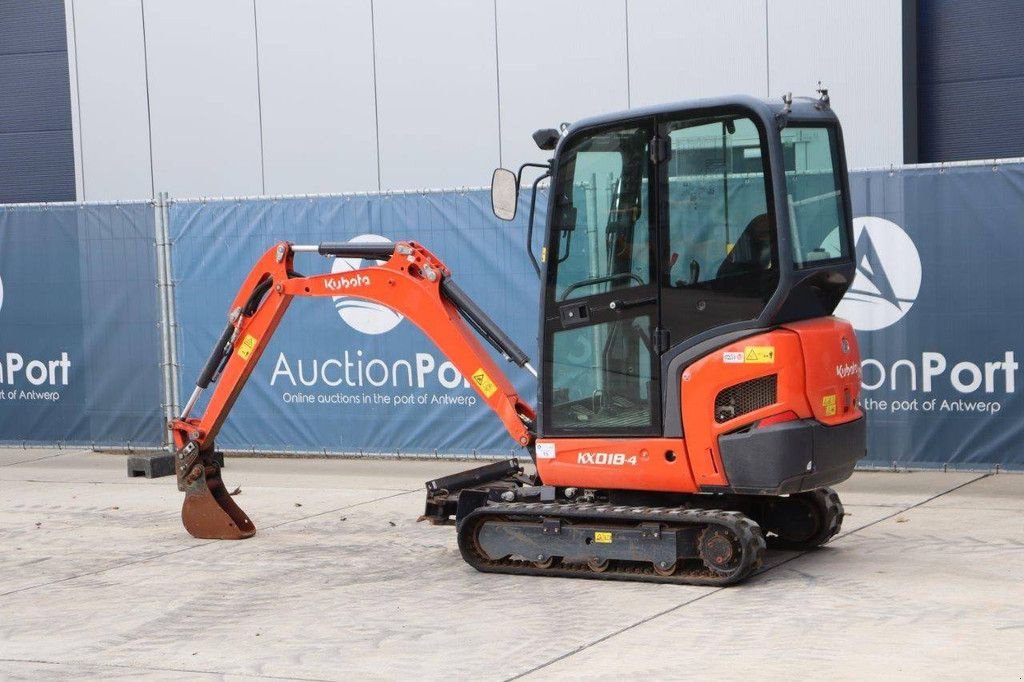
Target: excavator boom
(410,280)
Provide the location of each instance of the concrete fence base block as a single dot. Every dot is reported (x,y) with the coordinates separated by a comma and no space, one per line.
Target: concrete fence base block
(151,465)
(157,464)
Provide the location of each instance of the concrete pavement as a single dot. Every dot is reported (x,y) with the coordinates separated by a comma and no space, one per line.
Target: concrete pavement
(99,580)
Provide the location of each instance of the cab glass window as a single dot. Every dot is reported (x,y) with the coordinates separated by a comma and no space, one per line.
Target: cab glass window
(602,378)
(600,359)
(816,210)
(600,228)
(721,262)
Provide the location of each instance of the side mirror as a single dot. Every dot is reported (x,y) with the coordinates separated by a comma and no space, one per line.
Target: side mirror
(504,193)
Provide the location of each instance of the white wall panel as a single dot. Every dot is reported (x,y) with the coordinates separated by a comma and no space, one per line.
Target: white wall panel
(437,93)
(686,50)
(316,91)
(424,81)
(113,138)
(855,49)
(558,60)
(203,97)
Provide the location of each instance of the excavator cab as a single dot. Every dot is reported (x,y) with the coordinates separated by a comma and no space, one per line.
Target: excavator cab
(696,396)
(671,227)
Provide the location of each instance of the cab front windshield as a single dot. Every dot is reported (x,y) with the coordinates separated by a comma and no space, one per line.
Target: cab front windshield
(601,366)
(601,215)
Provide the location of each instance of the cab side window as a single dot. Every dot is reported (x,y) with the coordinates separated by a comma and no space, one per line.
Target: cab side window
(722,258)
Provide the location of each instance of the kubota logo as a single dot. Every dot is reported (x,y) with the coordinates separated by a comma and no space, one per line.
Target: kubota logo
(888,275)
(341,283)
(847,370)
(362,315)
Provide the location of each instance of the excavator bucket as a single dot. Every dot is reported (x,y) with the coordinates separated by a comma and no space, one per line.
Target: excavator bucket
(209,512)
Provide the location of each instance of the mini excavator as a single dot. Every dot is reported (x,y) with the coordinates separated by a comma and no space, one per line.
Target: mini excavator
(696,395)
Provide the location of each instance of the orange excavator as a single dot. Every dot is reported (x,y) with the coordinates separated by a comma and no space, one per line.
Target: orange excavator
(696,395)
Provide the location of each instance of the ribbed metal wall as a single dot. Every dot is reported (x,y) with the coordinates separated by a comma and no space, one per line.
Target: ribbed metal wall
(37,159)
(249,97)
(970,79)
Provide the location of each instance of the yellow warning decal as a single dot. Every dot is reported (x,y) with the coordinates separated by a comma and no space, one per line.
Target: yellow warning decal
(764,355)
(603,537)
(247,346)
(544,255)
(829,403)
(487,386)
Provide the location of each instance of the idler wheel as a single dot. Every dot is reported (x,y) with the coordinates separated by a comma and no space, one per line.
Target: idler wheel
(720,550)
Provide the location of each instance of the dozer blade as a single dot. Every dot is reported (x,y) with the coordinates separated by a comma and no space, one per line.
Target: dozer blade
(209,512)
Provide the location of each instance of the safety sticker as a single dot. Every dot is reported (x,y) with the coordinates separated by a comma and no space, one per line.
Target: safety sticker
(602,537)
(545,451)
(764,355)
(487,386)
(247,346)
(829,403)
(732,357)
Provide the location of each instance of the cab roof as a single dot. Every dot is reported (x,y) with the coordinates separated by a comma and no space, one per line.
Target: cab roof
(802,108)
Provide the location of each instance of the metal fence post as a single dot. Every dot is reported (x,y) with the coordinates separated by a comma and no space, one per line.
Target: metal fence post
(168,315)
(172,309)
(162,278)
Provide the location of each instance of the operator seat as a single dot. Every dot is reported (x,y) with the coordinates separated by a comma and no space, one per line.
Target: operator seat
(750,259)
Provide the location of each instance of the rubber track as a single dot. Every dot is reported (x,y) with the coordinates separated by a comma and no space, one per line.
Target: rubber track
(832,511)
(747,531)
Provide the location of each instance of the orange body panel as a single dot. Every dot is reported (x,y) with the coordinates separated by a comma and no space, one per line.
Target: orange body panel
(620,463)
(833,370)
(816,378)
(776,352)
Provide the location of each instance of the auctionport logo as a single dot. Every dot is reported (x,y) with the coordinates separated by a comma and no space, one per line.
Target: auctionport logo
(362,315)
(888,275)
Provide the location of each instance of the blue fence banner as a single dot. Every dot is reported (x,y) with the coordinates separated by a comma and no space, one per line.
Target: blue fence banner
(938,304)
(79,338)
(346,375)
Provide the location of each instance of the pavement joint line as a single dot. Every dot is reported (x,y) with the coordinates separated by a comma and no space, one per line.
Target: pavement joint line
(872,523)
(65,482)
(913,506)
(605,638)
(63,453)
(761,572)
(129,481)
(122,666)
(335,511)
(191,547)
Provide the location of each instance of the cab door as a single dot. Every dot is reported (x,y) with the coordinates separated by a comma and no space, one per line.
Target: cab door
(601,311)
